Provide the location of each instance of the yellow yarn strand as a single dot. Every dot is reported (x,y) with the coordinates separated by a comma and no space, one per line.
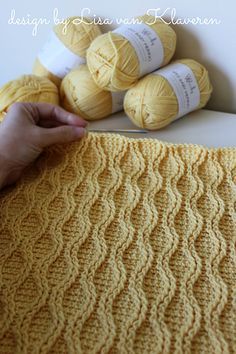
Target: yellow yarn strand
(152,102)
(27,88)
(77,38)
(113,61)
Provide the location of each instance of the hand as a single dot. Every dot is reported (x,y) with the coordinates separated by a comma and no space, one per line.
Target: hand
(27,129)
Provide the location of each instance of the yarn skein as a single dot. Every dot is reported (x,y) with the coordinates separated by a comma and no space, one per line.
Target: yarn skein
(152,102)
(114,62)
(80,94)
(27,88)
(66,48)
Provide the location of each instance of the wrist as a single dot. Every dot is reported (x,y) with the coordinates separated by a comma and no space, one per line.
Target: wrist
(4,171)
(8,174)
(6,166)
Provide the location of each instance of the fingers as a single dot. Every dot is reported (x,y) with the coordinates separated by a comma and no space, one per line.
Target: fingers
(56,113)
(45,111)
(62,134)
(49,124)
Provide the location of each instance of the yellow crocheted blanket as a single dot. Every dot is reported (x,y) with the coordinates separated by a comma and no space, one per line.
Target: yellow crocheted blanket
(120,245)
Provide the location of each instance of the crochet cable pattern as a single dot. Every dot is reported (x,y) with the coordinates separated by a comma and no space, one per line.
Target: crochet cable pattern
(120,245)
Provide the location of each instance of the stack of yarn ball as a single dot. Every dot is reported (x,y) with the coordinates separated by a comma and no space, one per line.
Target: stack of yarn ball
(94,74)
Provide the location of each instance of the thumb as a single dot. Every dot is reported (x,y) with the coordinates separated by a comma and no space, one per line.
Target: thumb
(62,134)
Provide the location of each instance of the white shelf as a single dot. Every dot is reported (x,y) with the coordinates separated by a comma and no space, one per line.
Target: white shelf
(204,127)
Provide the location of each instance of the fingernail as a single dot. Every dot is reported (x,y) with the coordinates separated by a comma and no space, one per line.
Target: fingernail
(73,118)
(84,123)
(82,132)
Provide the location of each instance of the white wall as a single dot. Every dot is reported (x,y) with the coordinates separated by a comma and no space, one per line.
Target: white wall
(213,45)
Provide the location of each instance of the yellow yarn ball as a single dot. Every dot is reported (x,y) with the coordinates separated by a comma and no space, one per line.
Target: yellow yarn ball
(80,95)
(27,88)
(152,102)
(75,36)
(113,61)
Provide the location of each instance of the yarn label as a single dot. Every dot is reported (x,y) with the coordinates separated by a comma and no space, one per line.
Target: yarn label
(147,45)
(58,59)
(117,101)
(185,86)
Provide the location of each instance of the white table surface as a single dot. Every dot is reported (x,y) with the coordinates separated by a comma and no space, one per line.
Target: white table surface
(204,127)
